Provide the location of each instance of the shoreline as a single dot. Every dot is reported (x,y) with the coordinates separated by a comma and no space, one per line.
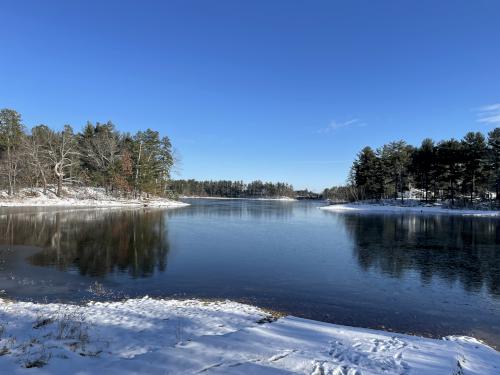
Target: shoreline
(92,203)
(158,336)
(378,208)
(81,197)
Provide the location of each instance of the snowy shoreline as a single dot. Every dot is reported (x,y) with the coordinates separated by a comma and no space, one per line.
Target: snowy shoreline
(81,197)
(155,336)
(376,208)
(160,203)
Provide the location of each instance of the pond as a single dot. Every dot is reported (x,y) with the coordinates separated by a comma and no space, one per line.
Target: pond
(432,275)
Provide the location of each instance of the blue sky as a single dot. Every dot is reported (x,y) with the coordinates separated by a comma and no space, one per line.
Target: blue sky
(276,90)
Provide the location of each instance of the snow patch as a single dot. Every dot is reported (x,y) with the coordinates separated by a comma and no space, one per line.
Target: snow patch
(378,208)
(82,197)
(154,336)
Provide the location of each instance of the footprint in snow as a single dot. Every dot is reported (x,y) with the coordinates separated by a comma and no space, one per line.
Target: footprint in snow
(282,355)
(384,356)
(328,368)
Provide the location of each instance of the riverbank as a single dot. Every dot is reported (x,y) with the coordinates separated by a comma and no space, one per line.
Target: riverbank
(417,209)
(153,336)
(81,197)
(284,199)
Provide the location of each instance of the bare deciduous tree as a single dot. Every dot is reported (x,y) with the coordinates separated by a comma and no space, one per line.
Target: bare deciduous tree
(62,153)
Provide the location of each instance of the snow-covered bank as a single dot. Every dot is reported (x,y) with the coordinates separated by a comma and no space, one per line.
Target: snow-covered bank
(150,336)
(284,199)
(82,197)
(377,208)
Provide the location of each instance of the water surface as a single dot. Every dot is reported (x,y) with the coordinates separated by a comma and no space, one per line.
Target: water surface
(434,274)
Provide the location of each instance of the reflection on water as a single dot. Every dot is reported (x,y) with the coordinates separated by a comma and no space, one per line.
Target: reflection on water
(434,275)
(236,209)
(452,248)
(95,242)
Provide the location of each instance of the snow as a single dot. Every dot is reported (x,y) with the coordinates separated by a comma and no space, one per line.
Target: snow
(82,197)
(153,336)
(379,208)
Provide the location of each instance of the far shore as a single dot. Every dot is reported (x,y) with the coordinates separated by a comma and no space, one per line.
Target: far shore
(381,208)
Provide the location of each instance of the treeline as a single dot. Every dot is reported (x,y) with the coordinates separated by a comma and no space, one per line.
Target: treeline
(465,170)
(98,156)
(231,189)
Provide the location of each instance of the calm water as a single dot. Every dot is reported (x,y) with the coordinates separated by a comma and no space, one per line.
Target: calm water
(432,275)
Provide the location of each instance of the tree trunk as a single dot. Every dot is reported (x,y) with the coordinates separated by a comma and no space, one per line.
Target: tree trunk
(9,171)
(472,189)
(10,183)
(402,188)
(59,175)
(452,193)
(137,169)
(59,185)
(44,183)
(14,177)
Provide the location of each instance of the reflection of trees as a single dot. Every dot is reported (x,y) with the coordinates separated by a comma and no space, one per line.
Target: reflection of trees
(241,208)
(453,248)
(96,242)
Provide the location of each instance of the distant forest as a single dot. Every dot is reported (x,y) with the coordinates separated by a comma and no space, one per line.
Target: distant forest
(98,156)
(459,171)
(231,189)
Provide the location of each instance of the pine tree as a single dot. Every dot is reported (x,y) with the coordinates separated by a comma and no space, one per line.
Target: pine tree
(11,136)
(395,159)
(366,171)
(474,150)
(450,165)
(153,160)
(423,165)
(493,160)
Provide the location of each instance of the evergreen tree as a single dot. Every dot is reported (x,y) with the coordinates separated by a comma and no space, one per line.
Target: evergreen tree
(395,159)
(153,160)
(366,171)
(493,161)
(474,151)
(100,153)
(450,165)
(423,165)
(11,136)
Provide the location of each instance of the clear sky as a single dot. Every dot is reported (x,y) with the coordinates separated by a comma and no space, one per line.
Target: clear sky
(276,90)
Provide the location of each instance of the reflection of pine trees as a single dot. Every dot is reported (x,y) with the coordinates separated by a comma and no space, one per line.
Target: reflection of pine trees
(238,209)
(454,249)
(95,242)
